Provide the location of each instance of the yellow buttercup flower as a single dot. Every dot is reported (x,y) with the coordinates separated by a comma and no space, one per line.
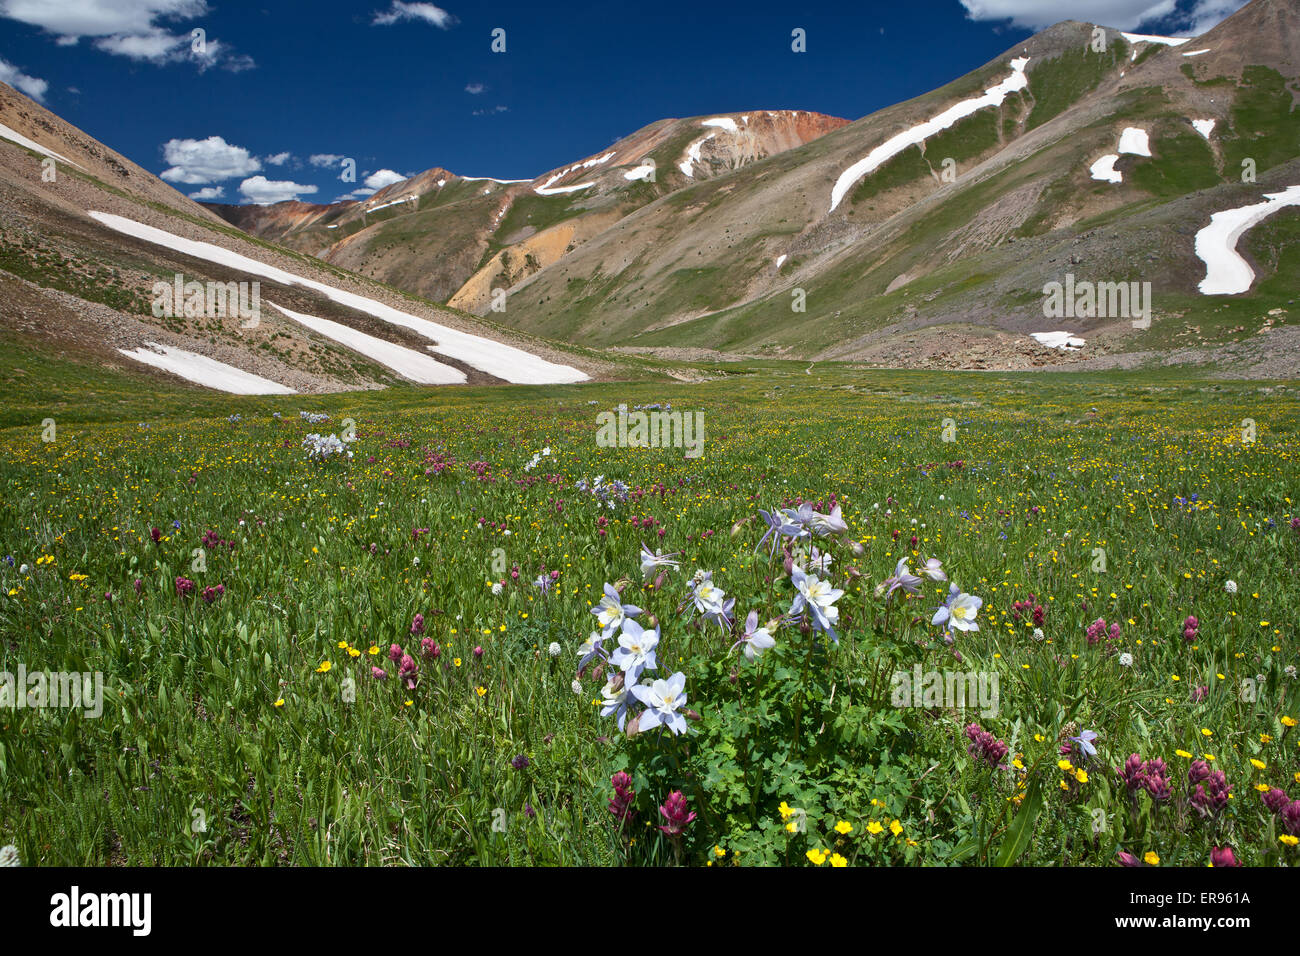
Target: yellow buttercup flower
(818,857)
(1150,858)
(875,828)
(838,861)
(844,827)
(324,667)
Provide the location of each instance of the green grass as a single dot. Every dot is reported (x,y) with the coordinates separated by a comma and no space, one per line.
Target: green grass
(1059,83)
(1265,125)
(1182,163)
(225,712)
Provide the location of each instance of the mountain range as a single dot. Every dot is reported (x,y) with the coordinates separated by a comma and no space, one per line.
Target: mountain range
(928,234)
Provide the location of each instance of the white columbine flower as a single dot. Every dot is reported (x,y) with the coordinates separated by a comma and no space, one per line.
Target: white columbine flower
(653,559)
(818,597)
(636,650)
(611,612)
(959,610)
(662,700)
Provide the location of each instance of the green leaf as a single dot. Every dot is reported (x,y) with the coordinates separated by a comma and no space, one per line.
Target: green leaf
(1021,831)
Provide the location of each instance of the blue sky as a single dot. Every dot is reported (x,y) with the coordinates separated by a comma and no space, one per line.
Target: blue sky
(401,87)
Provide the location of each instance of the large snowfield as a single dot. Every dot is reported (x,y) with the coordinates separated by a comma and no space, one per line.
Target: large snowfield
(917,134)
(502,361)
(1226,272)
(205,371)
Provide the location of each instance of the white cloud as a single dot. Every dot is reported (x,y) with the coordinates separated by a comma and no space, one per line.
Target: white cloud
(260,190)
(427,12)
(32,86)
(325,160)
(197,161)
(208,193)
(69,19)
(1036,14)
(474,89)
(384,177)
(155,46)
(129,28)
(278,159)
(495,109)
(357,194)
(1207,14)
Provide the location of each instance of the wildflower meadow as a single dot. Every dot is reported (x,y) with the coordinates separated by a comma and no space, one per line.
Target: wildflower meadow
(866,618)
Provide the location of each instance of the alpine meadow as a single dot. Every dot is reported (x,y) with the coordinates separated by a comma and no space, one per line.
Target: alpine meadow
(755,488)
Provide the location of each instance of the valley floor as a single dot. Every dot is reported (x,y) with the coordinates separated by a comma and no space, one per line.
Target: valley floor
(385,654)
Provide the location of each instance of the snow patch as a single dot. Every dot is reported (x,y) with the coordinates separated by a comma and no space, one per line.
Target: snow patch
(1196,52)
(1204,127)
(21,140)
(1134,142)
(547,190)
(780,259)
(643,172)
(1147,38)
(1104,169)
(205,371)
(917,134)
(687,165)
(408,363)
(502,361)
(723,122)
(1226,272)
(1058,340)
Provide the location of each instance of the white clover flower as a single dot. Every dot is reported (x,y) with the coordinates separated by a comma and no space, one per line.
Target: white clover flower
(577,687)
(1230,586)
(554,650)
(1038,634)
(1126,660)
(416,561)
(497,588)
(9,856)
(22,569)
(1290,671)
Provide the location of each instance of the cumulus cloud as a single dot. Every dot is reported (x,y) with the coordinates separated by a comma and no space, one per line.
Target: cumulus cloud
(197,161)
(262,191)
(1207,14)
(384,177)
(1036,14)
(208,193)
(278,159)
(425,12)
(1183,17)
(129,28)
(34,87)
(325,160)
